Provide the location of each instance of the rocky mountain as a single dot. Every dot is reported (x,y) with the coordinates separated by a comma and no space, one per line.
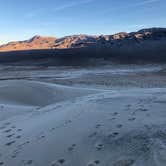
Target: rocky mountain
(80,41)
(146,45)
(36,42)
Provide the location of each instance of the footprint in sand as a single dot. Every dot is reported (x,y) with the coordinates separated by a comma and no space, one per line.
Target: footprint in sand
(72,147)
(13,156)
(41,136)
(52,129)
(19,129)
(115,114)
(7,131)
(10,143)
(9,136)
(18,137)
(133,113)
(58,162)
(143,109)
(98,126)
(27,162)
(68,121)
(131,119)
(92,135)
(7,123)
(1,162)
(112,119)
(127,162)
(129,105)
(93,163)
(99,146)
(113,135)
(119,126)
(23,144)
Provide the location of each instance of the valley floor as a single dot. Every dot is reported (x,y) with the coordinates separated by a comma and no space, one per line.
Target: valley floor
(94,116)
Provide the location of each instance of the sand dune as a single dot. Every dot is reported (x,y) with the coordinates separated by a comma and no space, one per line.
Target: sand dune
(33,93)
(19,97)
(54,125)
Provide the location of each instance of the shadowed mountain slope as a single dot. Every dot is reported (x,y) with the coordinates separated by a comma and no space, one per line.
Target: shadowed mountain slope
(146,44)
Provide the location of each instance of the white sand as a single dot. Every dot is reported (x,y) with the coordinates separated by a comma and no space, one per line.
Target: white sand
(44,124)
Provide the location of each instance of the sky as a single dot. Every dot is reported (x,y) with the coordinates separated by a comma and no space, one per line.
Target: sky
(22,19)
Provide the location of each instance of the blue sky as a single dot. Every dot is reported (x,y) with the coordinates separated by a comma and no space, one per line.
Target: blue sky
(22,19)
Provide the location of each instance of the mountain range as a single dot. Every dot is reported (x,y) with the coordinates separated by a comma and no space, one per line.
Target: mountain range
(146,44)
(78,41)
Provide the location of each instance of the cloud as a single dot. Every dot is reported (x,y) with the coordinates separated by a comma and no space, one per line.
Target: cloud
(36,12)
(145,2)
(132,5)
(72,4)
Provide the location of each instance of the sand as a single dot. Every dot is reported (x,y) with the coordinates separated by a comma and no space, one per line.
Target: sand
(43,123)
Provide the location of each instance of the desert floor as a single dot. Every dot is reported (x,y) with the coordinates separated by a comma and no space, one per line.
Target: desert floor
(112,115)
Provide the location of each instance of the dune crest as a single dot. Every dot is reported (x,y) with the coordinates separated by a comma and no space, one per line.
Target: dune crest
(32,93)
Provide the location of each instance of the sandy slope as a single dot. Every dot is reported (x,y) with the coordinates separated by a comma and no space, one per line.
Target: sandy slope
(36,93)
(45,124)
(29,95)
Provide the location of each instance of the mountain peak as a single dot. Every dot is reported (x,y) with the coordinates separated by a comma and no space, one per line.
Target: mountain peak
(38,37)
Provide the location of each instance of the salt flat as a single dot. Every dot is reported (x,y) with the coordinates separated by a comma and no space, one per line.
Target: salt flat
(81,120)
